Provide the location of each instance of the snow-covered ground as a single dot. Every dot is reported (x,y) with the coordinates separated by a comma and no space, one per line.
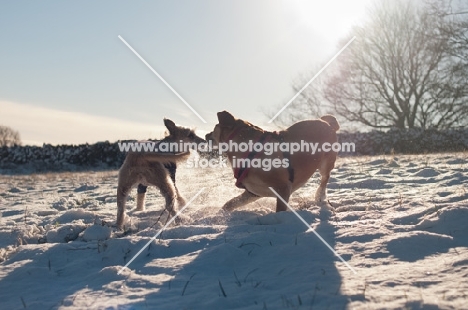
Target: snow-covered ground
(401,222)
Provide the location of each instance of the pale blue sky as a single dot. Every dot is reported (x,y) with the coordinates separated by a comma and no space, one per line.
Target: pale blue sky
(65,76)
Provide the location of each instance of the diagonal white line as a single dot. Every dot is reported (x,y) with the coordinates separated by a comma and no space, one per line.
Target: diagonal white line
(160,231)
(313,78)
(162,79)
(313,230)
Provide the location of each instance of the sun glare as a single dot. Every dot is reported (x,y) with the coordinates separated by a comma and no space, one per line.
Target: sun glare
(330,18)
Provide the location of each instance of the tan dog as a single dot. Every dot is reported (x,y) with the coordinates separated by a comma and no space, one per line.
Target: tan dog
(284,180)
(152,168)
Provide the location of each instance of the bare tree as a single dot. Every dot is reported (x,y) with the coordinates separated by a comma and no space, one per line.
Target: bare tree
(9,137)
(407,68)
(401,72)
(454,15)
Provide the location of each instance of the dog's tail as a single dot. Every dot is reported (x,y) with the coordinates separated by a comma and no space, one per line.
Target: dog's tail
(331,120)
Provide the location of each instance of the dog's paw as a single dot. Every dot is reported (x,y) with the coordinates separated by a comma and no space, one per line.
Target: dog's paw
(223,213)
(183,220)
(220,215)
(326,210)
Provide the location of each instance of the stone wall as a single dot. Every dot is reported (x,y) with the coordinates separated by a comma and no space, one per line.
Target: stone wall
(408,141)
(106,155)
(25,159)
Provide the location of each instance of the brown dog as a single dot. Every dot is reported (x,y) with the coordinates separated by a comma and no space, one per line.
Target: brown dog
(154,168)
(284,179)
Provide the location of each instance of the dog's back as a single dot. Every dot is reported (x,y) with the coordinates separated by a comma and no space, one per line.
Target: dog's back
(316,131)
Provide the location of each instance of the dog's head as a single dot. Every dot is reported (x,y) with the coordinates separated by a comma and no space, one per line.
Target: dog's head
(226,123)
(227,126)
(178,133)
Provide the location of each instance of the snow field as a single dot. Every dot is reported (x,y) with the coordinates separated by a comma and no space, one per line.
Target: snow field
(399,221)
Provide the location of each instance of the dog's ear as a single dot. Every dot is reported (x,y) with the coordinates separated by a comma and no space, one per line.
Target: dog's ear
(170,125)
(226,119)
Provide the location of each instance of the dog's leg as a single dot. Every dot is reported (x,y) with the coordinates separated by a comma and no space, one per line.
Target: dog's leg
(325,169)
(167,190)
(141,193)
(243,199)
(285,193)
(122,192)
(169,194)
(172,168)
(180,200)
